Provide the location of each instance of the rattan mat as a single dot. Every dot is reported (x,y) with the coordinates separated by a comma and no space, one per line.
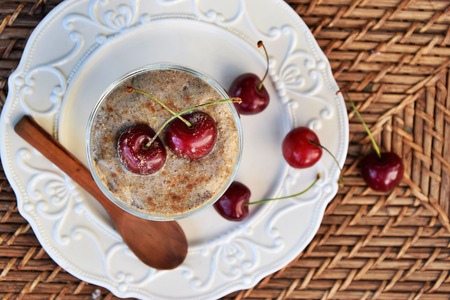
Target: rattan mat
(393,56)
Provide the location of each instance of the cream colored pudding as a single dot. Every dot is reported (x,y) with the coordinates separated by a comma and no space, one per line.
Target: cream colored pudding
(181,186)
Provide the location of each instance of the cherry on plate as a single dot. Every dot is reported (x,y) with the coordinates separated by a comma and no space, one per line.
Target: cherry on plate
(254,99)
(301,148)
(233,203)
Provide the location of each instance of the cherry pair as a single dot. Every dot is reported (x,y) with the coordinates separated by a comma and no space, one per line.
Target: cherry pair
(142,152)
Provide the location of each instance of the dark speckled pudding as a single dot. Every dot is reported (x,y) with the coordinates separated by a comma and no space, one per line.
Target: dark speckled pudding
(182,186)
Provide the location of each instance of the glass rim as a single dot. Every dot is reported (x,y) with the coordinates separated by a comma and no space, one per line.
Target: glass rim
(154,216)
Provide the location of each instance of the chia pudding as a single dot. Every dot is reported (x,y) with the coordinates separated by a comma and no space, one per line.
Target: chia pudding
(182,186)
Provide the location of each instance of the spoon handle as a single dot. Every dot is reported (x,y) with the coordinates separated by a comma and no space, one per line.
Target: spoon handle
(36,136)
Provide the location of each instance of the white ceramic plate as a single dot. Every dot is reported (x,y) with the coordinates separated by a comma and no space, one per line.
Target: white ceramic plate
(83,46)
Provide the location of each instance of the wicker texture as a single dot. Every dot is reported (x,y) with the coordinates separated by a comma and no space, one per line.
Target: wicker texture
(393,57)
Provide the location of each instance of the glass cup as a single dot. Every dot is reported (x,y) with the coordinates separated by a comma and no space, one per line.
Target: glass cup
(182,187)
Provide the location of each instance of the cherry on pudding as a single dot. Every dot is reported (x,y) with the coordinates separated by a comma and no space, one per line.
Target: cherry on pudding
(195,141)
(135,153)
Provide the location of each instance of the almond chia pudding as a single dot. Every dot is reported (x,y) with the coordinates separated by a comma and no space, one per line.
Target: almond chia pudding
(182,185)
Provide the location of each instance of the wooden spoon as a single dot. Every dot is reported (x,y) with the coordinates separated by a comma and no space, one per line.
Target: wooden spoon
(161,245)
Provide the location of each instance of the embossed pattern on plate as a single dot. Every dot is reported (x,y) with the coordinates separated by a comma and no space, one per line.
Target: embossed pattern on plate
(97,42)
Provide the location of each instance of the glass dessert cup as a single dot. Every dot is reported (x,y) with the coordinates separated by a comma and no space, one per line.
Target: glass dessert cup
(182,187)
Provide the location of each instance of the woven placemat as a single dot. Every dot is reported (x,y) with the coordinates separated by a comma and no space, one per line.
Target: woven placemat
(393,57)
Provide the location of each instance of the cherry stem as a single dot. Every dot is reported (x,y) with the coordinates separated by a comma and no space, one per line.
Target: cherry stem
(132,89)
(261,44)
(177,115)
(290,196)
(366,128)
(341,177)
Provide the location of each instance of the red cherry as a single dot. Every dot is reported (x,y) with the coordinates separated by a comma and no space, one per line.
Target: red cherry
(254,99)
(192,142)
(382,173)
(233,203)
(251,90)
(136,155)
(301,148)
